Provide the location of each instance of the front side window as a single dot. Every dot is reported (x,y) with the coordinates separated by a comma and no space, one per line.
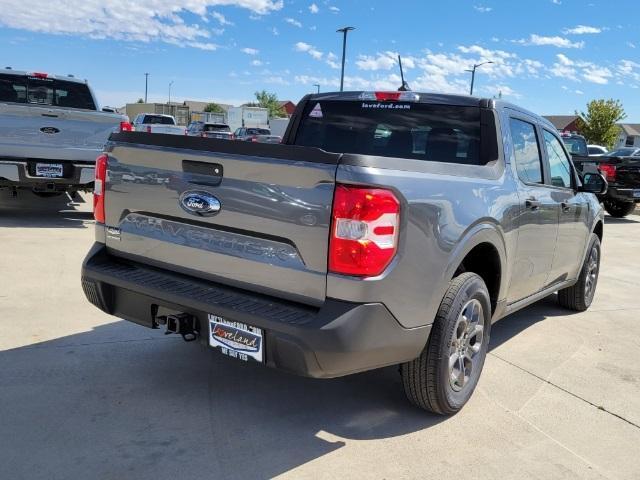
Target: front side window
(559,165)
(526,150)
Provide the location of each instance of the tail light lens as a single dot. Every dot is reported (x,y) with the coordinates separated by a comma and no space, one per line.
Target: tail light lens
(148,129)
(364,230)
(609,171)
(125,127)
(99,187)
(254,139)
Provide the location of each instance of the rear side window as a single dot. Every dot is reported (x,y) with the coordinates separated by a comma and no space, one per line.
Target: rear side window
(527,151)
(45,91)
(559,166)
(437,133)
(157,120)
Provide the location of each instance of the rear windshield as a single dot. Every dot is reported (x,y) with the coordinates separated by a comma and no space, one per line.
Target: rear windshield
(258,131)
(216,128)
(438,133)
(45,91)
(623,152)
(157,120)
(576,146)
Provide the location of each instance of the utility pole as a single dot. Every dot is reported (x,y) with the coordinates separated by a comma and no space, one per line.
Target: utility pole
(170,109)
(473,73)
(344,31)
(146,86)
(317,85)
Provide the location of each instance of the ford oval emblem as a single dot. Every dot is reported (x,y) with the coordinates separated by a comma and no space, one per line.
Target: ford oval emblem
(202,204)
(50,130)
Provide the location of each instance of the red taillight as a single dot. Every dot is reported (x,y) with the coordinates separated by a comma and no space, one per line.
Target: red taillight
(148,129)
(125,127)
(364,230)
(388,96)
(254,139)
(609,171)
(99,187)
(40,75)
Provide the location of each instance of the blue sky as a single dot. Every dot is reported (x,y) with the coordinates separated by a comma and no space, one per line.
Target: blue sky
(551,56)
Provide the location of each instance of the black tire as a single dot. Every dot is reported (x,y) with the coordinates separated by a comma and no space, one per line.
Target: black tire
(579,296)
(429,381)
(618,209)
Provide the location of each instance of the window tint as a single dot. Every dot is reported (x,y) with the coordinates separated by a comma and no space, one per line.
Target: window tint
(216,127)
(258,131)
(559,166)
(527,151)
(438,133)
(157,120)
(45,91)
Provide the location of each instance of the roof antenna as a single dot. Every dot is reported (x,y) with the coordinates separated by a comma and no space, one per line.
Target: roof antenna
(405,86)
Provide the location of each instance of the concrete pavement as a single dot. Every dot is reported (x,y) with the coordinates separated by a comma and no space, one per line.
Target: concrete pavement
(83,395)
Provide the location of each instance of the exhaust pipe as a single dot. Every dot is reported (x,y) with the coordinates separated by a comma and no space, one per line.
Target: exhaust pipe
(181,323)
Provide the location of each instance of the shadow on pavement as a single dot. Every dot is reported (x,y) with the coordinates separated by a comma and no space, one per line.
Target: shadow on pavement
(95,405)
(613,220)
(29,211)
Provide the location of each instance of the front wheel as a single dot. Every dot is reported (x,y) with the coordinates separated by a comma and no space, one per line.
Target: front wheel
(579,296)
(445,375)
(618,209)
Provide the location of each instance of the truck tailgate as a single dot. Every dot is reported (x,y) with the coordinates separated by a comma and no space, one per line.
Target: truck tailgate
(272,228)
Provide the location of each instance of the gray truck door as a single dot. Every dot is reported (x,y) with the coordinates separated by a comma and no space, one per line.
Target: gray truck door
(572,207)
(538,214)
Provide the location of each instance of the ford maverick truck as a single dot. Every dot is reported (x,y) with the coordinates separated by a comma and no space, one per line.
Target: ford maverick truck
(388,228)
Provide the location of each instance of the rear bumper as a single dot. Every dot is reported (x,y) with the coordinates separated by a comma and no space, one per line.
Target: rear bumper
(21,173)
(337,339)
(624,194)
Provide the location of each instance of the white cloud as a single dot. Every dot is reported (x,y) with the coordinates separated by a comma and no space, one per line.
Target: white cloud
(383,61)
(250,51)
(482,9)
(631,45)
(293,21)
(556,2)
(313,8)
(310,49)
(597,74)
(559,42)
(331,60)
(152,20)
(275,31)
(257,63)
(580,69)
(579,92)
(221,18)
(334,9)
(581,30)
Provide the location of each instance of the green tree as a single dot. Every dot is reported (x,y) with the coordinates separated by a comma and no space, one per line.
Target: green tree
(599,124)
(213,108)
(140,100)
(270,102)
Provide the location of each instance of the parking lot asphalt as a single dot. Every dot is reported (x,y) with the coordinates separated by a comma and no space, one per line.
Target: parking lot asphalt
(84,395)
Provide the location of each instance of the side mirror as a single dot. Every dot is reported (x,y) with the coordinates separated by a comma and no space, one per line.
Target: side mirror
(594,183)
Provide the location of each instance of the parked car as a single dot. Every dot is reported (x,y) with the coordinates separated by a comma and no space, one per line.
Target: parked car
(156,123)
(596,150)
(259,135)
(51,131)
(620,167)
(209,130)
(389,249)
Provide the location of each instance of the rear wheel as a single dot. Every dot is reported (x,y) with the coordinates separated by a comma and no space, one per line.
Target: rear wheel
(445,375)
(618,209)
(579,296)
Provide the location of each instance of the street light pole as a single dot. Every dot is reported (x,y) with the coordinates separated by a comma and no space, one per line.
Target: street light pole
(344,31)
(317,85)
(170,83)
(473,73)
(146,86)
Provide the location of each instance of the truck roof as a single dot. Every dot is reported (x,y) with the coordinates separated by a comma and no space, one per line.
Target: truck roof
(439,98)
(22,73)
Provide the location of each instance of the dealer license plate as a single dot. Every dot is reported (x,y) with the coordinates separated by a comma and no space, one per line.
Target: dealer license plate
(235,339)
(49,170)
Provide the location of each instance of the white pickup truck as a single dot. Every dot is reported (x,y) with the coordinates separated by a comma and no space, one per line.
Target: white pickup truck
(51,131)
(157,123)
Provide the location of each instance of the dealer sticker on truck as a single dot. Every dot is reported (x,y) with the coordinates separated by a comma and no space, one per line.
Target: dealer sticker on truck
(235,339)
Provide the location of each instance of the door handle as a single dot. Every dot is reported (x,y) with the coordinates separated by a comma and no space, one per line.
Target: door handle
(532,204)
(566,207)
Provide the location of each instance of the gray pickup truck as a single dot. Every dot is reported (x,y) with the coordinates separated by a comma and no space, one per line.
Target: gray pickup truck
(389,228)
(50,132)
